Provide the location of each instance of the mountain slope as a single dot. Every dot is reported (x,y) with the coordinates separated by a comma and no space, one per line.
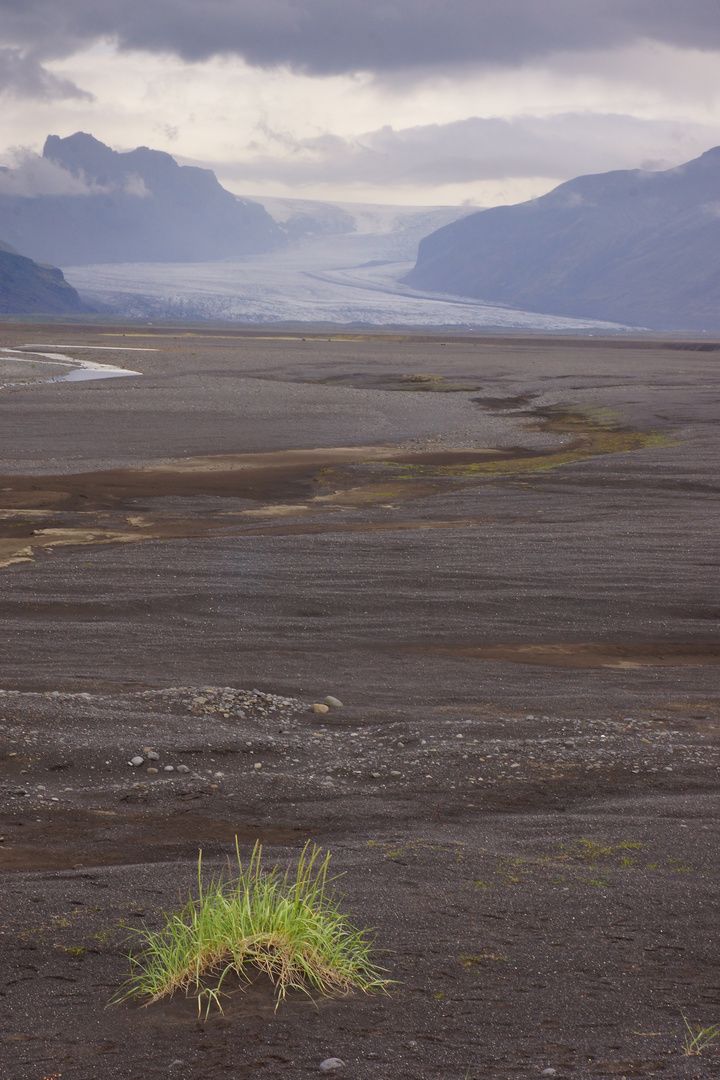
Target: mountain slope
(27,288)
(139,206)
(629,246)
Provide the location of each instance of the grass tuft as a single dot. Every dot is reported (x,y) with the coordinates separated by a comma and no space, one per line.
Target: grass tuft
(287,925)
(697,1038)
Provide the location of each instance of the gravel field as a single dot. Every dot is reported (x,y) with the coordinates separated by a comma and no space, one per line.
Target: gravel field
(447,608)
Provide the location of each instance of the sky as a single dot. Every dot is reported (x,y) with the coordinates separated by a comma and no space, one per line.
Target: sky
(425,102)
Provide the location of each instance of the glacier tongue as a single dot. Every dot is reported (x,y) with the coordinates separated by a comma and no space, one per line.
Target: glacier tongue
(350,276)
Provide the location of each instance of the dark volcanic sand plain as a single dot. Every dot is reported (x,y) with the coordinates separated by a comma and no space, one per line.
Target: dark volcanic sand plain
(511,581)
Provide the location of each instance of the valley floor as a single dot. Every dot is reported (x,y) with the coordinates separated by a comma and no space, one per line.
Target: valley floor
(500,554)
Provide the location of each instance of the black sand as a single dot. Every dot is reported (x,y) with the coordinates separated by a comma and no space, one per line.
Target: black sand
(522,786)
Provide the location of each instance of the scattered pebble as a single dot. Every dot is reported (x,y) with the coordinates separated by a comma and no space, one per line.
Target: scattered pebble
(549,1072)
(169,768)
(317,707)
(333,702)
(136,761)
(152,771)
(182,769)
(152,755)
(257,765)
(332,1063)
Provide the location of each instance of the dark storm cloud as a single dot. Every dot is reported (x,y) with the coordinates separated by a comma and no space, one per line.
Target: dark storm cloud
(332,36)
(24,76)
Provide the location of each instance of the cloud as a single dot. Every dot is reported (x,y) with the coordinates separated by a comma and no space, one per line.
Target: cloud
(23,75)
(335,36)
(134,184)
(32,175)
(474,149)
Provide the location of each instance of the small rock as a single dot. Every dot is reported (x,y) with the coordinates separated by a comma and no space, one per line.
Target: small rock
(152,755)
(152,771)
(549,1072)
(321,709)
(169,768)
(375,775)
(136,761)
(257,765)
(395,772)
(331,1063)
(182,769)
(333,702)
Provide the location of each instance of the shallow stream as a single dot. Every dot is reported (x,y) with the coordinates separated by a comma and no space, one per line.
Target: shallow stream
(81,370)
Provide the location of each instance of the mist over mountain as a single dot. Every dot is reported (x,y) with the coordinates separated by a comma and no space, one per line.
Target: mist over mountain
(101,206)
(27,288)
(634,247)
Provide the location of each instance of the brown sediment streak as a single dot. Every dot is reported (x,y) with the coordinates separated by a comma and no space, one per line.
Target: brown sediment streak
(590,655)
(23,549)
(72,838)
(320,457)
(278,476)
(20,550)
(359,527)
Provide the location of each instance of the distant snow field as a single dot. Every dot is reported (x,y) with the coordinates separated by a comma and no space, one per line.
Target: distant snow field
(343,265)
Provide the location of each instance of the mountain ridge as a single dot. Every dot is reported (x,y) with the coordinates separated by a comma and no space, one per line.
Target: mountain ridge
(136,206)
(630,246)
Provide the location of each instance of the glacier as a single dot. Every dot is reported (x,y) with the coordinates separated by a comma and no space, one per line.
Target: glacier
(342,266)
